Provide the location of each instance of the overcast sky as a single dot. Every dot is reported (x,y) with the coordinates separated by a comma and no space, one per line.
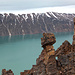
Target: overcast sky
(19,6)
(29,4)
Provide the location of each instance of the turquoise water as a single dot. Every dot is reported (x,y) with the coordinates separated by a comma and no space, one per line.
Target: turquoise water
(19,53)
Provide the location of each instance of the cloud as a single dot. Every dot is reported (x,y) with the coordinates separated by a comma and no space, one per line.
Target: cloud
(28,4)
(62,9)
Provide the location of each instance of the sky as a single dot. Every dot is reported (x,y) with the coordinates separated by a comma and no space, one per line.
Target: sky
(28,5)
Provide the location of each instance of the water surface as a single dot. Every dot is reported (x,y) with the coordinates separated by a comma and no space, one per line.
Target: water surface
(19,53)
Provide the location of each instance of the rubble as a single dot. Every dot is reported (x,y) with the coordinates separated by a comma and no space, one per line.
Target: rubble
(9,72)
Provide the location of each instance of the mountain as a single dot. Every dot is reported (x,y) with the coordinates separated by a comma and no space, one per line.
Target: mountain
(21,24)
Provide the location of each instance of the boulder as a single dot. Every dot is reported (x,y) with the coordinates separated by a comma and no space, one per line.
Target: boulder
(9,72)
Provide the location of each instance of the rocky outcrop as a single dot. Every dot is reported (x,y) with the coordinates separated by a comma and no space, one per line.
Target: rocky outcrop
(64,48)
(46,58)
(51,62)
(9,72)
(65,60)
(11,24)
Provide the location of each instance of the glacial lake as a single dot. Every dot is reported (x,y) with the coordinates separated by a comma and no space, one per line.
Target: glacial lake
(19,53)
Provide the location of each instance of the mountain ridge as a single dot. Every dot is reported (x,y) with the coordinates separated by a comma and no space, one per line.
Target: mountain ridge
(21,24)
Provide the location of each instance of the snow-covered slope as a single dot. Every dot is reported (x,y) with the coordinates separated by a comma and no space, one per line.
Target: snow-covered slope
(21,24)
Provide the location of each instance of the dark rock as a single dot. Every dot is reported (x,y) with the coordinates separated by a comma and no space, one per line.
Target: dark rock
(9,72)
(48,39)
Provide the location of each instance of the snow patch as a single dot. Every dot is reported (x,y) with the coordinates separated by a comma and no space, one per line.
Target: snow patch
(37,16)
(22,30)
(15,22)
(2,20)
(43,14)
(11,23)
(54,26)
(53,14)
(32,18)
(26,17)
(47,15)
(21,26)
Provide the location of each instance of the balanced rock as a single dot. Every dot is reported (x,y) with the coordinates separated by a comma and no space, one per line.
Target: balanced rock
(48,39)
(46,58)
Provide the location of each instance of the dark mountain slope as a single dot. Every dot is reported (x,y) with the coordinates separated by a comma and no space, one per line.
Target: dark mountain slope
(11,24)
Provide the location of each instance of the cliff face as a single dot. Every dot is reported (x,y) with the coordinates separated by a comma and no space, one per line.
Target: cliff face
(11,24)
(51,62)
